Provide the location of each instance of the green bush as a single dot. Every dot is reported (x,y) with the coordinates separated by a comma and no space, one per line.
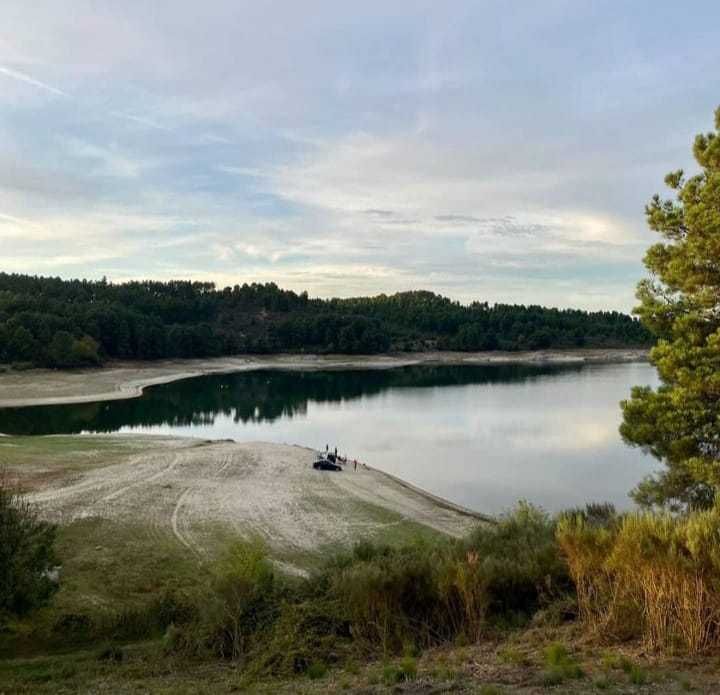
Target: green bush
(27,556)
(518,562)
(408,668)
(242,601)
(392,598)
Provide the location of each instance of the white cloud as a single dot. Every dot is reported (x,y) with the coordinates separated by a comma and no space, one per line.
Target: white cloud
(22,77)
(107,160)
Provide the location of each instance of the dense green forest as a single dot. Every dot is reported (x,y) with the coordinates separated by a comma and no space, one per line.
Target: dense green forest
(60,323)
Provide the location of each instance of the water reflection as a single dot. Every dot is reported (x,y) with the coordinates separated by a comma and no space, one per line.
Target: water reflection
(260,396)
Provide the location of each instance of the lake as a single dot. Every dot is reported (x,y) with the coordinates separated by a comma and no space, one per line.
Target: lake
(483,436)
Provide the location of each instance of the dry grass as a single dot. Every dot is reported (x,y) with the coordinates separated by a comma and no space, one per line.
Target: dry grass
(652,576)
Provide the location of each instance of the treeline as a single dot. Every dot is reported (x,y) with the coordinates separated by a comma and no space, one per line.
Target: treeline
(60,323)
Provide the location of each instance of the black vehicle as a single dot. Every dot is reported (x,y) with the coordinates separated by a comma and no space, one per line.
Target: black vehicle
(325,464)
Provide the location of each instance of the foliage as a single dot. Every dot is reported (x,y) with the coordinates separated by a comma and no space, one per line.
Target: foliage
(26,555)
(678,423)
(519,562)
(57,323)
(653,576)
(242,601)
(376,600)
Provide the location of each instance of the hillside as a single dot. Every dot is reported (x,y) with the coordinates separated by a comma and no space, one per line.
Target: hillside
(58,323)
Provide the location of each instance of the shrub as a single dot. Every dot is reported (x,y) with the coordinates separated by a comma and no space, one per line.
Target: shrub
(110,652)
(518,567)
(392,597)
(27,555)
(378,599)
(242,600)
(149,619)
(650,575)
(74,627)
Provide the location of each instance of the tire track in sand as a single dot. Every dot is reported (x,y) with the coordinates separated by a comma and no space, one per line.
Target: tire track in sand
(176,526)
(143,480)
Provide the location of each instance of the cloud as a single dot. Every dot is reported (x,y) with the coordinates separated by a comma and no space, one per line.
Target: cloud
(458,218)
(415,146)
(141,120)
(22,77)
(107,160)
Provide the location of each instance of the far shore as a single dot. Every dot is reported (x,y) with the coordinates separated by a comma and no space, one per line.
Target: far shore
(120,380)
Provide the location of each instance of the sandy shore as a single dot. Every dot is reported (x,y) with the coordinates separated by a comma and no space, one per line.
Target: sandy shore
(198,492)
(120,380)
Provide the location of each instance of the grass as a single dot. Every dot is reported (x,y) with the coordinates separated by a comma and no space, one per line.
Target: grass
(61,450)
(37,460)
(560,665)
(386,527)
(638,675)
(512,655)
(145,667)
(111,573)
(317,670)
(648,576)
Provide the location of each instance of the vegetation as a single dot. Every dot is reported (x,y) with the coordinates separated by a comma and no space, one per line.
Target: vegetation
(650,576)
(376,601)
(26,556)
(678,423)
(373,601)
(57,323)
(377,614)
(559,665)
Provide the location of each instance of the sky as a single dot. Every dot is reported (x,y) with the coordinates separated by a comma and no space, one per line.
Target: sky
(492,151)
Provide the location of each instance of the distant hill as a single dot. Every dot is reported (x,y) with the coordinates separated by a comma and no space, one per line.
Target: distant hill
(66,323)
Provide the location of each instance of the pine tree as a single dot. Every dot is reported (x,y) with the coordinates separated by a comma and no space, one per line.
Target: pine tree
(679,423)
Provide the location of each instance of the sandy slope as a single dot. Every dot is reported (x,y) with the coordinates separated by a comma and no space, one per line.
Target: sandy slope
(199,491)
(127,379)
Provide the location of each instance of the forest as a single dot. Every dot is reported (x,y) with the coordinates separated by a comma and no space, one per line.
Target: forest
(58,323)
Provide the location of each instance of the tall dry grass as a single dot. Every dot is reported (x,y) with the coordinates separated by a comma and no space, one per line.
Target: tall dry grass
(653,576)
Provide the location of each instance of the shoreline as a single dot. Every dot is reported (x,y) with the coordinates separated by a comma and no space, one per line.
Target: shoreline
(435,499)
(124,380)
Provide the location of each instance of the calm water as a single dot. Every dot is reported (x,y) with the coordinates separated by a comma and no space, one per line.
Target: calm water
(481,436)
